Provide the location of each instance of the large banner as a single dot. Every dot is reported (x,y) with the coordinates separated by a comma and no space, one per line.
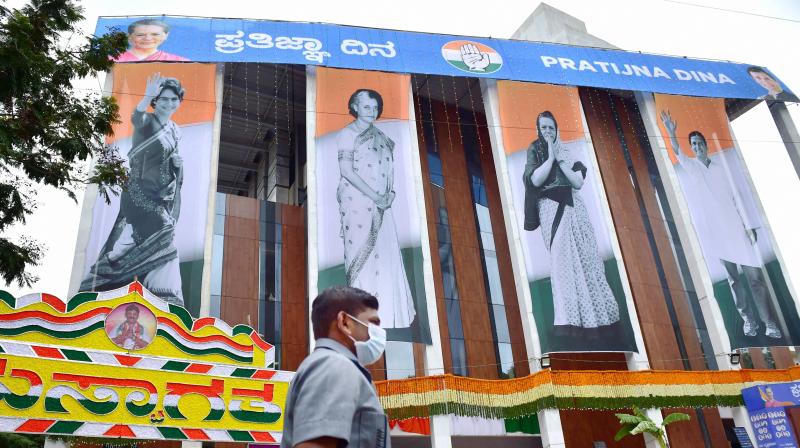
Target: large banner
(579,302)
(125,364)
(766,406)
(163,38)
(749,284)
(367,214)
(154,230)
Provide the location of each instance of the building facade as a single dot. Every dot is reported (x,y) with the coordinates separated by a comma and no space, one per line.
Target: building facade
(621,273)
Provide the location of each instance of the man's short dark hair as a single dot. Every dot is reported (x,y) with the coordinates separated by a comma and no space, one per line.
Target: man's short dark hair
(753,69)
(698,134)
(329,302)
(132,307)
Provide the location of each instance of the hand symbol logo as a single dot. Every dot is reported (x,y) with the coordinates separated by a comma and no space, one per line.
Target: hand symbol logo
(473,57)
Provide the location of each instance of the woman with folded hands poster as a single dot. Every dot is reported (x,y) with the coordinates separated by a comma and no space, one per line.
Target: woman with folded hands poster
(582,298)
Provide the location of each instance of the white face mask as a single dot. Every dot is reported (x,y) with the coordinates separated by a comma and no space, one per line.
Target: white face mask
(369,351)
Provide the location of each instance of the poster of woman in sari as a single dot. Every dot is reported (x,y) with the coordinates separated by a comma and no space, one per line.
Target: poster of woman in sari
(579,301)
(368,219)
(153,230)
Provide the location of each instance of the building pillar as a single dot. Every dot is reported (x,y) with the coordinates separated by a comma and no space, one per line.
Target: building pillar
(788,131)
(742,418)
(657,417)
(433,360)
(550,425)
(50,442)
(440,431)
(549,419)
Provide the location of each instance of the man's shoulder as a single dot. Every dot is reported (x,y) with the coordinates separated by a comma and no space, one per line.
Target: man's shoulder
(327,361)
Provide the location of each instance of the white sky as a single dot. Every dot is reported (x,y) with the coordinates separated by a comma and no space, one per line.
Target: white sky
(653,26)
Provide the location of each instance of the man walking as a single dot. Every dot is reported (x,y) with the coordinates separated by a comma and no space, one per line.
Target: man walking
(332,401)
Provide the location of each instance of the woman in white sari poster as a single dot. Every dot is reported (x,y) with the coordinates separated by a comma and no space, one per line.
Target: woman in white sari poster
(373,261)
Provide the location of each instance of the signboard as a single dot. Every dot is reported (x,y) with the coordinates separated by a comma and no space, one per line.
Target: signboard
(239,40)
(126,364)
(772,395)
(772,428)
(742,437)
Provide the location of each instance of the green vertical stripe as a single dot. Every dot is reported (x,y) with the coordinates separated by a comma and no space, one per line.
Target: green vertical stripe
(171,433)
(182,314)
(64,427)
(243,373)
(5,296)
(241,329)
(80,299)
(175,365)
(76,355)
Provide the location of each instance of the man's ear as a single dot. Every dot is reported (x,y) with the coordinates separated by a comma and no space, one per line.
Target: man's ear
(341,322)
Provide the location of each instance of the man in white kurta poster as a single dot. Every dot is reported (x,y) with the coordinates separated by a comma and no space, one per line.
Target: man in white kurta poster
(727,226)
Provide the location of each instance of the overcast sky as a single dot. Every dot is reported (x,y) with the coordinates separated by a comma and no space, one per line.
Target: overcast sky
(764,33)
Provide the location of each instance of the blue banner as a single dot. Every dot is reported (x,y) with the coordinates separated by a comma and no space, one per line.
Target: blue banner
(772,428)
(771,395)
(165,38)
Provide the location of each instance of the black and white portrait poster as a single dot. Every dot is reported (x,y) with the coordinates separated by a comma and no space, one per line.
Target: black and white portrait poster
(749,283)
(154,230)
(368,218)
(579,301)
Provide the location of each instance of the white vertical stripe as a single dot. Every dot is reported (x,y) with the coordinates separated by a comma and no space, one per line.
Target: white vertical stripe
(311,187)
(92,429)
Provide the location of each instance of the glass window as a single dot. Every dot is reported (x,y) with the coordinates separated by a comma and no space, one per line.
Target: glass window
(214,311)
(500,323)
(493,277)
(219,204)
(458,352)
(399,360)
(454,318)
(506,361)
(435,168)
(217,246)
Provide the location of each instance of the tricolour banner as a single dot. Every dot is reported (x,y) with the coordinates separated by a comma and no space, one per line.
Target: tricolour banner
(579,301)
(164,38)
(367,214)
(125,364)
(748,280)
(154,230)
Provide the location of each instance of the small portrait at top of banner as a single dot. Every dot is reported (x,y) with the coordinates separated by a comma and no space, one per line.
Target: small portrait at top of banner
(774,89)
(365,195)
(583,302)
(141,243)
(131,326)
(728,225)
(145,36)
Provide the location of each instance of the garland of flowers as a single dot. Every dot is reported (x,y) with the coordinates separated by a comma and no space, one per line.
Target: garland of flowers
(570,389)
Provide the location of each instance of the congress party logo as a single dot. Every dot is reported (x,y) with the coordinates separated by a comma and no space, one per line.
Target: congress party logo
(472,57)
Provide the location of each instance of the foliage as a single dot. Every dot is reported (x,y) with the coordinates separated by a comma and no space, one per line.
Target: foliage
(48,129)
(639,423)
(9,440)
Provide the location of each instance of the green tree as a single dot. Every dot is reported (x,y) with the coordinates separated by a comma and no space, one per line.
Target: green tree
(48,128)
(639,423)
(9,440)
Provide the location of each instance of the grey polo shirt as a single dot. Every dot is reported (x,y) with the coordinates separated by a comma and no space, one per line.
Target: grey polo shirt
(332,395)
